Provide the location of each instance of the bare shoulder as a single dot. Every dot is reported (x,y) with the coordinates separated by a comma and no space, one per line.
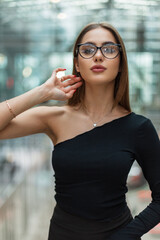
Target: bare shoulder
(56,118)
(121,111)
(55,112)
(51,115)
(49,111)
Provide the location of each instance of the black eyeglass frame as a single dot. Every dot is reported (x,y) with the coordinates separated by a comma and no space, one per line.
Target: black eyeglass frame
(113,44)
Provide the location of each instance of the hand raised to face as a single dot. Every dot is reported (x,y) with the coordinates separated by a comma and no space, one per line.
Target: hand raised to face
(61,88)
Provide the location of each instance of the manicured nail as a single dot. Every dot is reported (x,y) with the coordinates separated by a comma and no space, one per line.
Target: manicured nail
(65,69)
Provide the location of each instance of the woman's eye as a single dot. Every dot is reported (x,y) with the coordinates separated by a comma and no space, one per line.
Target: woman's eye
(109,50)
(88,50)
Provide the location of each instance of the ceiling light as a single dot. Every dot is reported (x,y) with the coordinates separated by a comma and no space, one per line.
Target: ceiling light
(27,71)
(3,60)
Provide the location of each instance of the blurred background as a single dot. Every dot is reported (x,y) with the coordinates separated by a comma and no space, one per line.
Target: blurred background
(37,37)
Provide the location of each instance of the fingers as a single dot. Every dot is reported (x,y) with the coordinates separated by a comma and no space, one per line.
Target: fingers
(60,69)
(57,70)
(67,77)
(70,94)
(71,81)
(73,87)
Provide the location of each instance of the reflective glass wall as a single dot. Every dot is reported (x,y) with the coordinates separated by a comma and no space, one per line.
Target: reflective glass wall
(38,36)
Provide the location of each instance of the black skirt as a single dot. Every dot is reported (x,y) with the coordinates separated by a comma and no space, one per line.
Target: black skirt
(65,226)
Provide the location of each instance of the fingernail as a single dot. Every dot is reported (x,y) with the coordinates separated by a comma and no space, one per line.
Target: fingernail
(65,69)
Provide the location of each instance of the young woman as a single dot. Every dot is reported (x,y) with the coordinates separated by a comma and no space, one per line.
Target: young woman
(96,139)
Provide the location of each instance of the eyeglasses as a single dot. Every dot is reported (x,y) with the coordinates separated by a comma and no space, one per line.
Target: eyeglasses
(88,50)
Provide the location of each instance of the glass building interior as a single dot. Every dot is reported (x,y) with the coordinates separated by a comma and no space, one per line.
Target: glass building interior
(37,37)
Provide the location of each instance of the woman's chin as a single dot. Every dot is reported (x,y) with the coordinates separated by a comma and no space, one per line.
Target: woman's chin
(99,81)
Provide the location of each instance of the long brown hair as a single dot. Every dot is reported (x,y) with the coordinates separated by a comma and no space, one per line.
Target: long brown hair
(121,87)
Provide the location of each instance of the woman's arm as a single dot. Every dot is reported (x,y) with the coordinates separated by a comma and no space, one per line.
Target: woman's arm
(19,105)
(147,152)
(29,121)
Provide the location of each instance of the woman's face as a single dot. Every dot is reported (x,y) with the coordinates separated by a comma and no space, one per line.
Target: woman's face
(98,36)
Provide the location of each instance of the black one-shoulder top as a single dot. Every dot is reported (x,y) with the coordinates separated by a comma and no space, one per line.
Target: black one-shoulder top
(91,171)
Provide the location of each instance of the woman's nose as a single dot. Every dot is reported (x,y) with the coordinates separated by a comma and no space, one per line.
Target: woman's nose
(98,56)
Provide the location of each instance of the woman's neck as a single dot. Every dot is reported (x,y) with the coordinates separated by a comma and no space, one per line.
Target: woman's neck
(99,100)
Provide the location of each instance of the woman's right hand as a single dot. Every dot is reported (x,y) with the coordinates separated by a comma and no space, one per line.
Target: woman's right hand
(60,89)
(31,121)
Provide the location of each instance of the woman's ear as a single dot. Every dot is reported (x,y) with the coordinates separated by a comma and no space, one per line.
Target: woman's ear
(76,64)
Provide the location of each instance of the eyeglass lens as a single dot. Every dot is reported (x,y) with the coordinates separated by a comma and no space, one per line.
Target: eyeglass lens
(88,51)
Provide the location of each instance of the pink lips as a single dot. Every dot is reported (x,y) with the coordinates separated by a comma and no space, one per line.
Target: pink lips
(98,68)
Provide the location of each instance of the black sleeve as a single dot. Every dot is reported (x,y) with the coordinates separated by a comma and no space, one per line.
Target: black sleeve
(147,154)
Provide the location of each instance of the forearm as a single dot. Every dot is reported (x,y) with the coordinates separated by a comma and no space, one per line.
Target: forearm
(53,88)
(20,104)
(141,224)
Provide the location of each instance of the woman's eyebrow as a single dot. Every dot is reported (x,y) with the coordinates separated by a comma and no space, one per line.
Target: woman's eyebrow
(107,42)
